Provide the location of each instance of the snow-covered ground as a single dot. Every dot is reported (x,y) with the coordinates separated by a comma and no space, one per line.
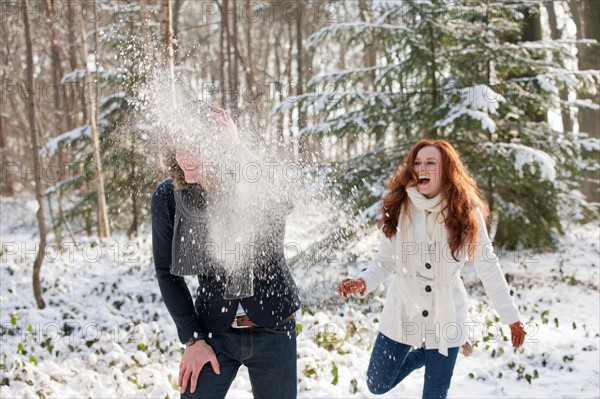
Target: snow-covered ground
(106,333)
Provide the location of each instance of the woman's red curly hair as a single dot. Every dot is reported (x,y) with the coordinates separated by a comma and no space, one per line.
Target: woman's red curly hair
(459,191)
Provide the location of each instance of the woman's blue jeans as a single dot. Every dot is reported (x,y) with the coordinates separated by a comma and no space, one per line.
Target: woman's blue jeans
(269,355)
(392,361)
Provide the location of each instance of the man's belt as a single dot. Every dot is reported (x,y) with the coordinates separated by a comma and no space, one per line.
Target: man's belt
(245,322)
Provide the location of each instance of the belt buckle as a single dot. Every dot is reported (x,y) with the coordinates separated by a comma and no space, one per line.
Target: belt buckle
(234,324)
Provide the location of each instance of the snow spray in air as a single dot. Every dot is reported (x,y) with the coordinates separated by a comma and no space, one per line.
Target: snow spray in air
(234,223)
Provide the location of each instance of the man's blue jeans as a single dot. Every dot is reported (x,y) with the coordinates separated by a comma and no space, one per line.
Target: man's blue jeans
(392,361)
(269,355)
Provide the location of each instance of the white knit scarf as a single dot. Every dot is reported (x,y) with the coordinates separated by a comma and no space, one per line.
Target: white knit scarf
(443,264)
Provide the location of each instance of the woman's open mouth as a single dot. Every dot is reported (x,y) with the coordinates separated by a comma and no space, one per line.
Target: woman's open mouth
(423,180)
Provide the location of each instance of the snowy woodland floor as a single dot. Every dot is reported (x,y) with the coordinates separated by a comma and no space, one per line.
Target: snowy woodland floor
(105,332)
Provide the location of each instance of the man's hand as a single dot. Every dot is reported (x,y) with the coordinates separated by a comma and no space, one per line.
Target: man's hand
(517,333)
(351,286)
(194,358)
(229,135)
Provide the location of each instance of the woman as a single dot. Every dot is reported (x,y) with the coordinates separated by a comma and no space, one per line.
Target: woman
(433,221)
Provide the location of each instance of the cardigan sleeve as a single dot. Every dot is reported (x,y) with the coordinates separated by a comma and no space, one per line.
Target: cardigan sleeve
(382,265)
(488,268)
(173,289)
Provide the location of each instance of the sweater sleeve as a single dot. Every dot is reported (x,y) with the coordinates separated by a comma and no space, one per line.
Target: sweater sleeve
(382,265)
(174,290)
(488,268)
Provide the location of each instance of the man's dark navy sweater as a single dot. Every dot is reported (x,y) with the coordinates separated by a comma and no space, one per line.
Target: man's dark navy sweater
(275,293)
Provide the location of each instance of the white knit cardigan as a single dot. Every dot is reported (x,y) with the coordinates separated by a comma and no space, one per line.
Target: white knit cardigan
(410,315)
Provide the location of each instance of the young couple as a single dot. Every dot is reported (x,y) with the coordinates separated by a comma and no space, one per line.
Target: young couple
(432,222)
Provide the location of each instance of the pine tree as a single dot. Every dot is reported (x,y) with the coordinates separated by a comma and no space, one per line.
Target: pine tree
(458,71)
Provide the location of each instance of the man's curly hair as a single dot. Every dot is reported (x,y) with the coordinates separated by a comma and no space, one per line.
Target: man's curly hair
(176,172)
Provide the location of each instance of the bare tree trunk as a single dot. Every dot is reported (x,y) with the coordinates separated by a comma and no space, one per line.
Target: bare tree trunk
(532,31)
(249,94)
(303,147)
(225,16)
(231,78)
(166,31)
(222,53)
(133,228)
(249,63)
(532,28)
(23,124)
(264,38)
(6,175)
(278,80)
(97,57)
(63,216)
(370,60)
(88,213)
(72,117)
(103,226)
(369,55)
(586,15)
(236,59)
(556,34)
(290,77)
(144,23)
(5,157)
(176,13)
(39,189)
(147,60)
(57,69)
(54,225)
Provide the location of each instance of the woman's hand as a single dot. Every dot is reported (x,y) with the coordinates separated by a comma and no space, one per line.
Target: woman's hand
(517,333)
(351,287)
(194,358)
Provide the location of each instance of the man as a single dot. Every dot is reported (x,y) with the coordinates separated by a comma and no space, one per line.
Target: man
(243,314)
